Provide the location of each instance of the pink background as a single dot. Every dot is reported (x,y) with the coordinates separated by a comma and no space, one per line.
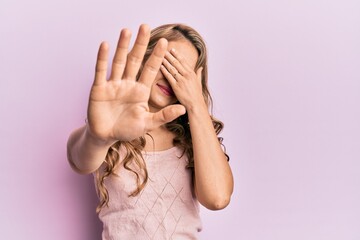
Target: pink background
(285,76)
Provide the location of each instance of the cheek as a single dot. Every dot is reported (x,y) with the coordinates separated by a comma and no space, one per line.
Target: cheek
(159,76)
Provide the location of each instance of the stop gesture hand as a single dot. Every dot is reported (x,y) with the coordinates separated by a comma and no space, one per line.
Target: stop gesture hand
(118,107)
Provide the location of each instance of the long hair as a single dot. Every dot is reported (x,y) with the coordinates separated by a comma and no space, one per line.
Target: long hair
(133,160)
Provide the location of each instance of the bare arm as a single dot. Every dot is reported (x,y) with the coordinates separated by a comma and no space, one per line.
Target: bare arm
(118,107)
(213,177)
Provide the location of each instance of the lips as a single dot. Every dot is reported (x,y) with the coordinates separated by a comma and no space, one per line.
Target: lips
(166,90)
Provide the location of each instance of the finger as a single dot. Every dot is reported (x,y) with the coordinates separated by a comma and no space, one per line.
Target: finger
(119,60)
(174,62)
(165,115)
(136,55)
(168,76)
(152,65)
(171,69)
(101,64)
(182,60)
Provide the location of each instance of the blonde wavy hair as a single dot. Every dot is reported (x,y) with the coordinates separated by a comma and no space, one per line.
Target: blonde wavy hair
(180,126)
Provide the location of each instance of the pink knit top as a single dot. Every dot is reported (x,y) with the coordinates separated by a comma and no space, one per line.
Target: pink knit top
(165,209)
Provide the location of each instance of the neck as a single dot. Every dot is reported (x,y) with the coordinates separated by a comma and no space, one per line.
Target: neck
(159,139)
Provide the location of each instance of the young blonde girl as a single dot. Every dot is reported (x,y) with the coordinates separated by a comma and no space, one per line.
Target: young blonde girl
(150,140)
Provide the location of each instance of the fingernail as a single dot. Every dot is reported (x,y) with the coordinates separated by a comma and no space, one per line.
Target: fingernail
(173,50)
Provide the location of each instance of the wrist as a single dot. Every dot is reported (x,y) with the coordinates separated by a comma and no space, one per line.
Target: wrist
(94,140)
(197,107)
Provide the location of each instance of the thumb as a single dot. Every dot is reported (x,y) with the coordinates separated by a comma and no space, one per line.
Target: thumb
(165,115)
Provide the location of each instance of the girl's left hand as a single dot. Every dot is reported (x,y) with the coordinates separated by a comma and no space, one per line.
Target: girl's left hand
(185,83)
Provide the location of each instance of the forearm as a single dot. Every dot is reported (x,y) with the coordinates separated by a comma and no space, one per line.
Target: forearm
(85,153)
(213,176)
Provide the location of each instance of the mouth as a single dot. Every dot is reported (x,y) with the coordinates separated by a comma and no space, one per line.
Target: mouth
(166,90)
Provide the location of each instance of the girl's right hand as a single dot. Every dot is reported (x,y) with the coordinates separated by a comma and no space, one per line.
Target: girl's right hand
(118,108)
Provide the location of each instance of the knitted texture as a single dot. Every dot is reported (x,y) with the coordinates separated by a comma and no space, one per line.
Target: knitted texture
(165,209)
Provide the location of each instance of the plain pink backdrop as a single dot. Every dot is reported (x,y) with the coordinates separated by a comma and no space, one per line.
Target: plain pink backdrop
(285,77)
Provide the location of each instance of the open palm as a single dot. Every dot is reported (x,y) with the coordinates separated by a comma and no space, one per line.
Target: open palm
(118,107)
